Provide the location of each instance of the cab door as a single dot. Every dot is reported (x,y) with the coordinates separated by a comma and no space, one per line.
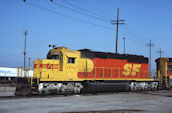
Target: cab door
(71,68)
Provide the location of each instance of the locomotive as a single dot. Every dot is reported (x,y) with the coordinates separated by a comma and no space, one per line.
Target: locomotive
(84,71)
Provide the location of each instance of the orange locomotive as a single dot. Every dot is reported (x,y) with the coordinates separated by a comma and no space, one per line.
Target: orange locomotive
(169,68)
(164,72)
(84,71)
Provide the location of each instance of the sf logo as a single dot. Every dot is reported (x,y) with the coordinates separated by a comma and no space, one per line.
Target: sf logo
(131,69)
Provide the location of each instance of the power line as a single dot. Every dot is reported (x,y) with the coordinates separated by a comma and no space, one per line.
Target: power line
(98,9)
(135,38)
(136,41)
(75,19)
(72,18)
(88,11)
(134,35)
(77,11)
(135,31)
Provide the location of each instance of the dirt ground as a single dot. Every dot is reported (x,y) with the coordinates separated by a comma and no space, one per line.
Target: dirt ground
(125,102)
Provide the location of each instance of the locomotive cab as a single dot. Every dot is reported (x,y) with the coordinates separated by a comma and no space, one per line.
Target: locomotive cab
(61,65)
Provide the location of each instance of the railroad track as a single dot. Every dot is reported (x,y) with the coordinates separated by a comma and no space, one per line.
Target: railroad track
(32,96)
(167,93)
(55,95)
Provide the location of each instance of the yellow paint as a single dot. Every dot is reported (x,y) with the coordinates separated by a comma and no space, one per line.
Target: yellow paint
(162,71)
(136,68)
(131,69)
(85,62)
(170,77)
(127,69)
(66,71)
(61,70)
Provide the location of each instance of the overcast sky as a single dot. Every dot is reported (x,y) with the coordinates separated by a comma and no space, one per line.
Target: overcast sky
(79,24)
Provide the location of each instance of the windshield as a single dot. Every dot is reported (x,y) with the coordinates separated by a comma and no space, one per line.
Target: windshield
(55,56)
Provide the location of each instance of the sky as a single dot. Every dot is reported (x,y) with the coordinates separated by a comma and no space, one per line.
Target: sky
(80,24)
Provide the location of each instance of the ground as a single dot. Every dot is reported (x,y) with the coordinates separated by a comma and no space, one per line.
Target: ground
(147,101)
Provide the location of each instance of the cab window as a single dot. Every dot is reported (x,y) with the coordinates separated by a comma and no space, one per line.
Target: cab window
(55,56)
(71,60)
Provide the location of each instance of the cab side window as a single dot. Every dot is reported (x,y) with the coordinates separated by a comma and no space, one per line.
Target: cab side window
(71,60)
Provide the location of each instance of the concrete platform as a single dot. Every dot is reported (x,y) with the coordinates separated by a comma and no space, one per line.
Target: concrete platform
(148,101)
(7,91)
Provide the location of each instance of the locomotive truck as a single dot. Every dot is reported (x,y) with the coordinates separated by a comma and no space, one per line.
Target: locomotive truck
(84,71)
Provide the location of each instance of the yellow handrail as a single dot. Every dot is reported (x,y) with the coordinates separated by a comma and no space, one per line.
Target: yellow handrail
(18,71)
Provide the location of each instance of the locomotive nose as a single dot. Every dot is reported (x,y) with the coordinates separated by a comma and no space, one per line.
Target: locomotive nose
(44,67)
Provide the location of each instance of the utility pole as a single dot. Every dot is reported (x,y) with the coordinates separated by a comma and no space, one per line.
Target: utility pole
(160,52)
(124,43)
(29,62)
(25,34)
(117,22)
(150,44)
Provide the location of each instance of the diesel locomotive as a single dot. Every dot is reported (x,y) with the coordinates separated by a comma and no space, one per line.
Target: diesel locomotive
(84,71)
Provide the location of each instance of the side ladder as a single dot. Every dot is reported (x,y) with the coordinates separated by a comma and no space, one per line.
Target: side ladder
(34,86)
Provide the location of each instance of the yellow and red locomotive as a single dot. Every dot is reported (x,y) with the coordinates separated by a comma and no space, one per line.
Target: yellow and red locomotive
(83,71)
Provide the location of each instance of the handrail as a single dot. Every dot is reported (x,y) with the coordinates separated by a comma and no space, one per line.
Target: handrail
(20,72)
(112,72)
